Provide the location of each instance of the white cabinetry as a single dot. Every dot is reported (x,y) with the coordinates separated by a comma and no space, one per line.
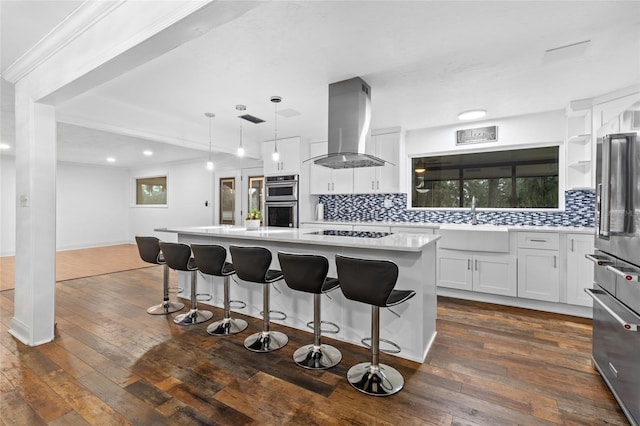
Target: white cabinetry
(538,266)
(579,149)
(485,273)
(383,179)
(289,162)
(323,180)
(579,272)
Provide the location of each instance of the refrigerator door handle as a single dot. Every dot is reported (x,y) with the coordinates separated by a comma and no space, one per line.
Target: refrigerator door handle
(605,189)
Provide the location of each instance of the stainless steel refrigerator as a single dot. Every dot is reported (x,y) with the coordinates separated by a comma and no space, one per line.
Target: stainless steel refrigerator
(616,293)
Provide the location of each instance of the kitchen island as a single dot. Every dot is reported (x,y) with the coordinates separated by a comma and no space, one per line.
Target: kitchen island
(410,325)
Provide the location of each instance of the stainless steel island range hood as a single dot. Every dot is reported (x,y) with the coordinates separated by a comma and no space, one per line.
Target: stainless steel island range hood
(349,122)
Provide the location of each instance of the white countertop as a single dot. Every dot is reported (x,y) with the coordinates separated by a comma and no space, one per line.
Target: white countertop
(396,242)
(435,226)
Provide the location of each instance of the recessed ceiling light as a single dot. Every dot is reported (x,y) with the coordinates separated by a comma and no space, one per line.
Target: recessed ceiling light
(111,160)
(472,114)
(5,146)
(147,153)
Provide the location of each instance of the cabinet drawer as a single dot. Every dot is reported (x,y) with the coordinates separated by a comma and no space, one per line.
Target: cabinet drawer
(539,240)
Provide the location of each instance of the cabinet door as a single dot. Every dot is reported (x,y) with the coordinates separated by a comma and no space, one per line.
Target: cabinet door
(364,180)
(289,162)
(388,148)
(319,176)
(289,150)
(579,269)
(538,274)
(454,270)
(495,274)
(383,179)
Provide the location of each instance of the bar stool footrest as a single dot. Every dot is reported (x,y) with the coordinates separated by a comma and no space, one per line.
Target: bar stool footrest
(310,325)
(281,315)
(203,297)
(239,304)
(396,349)
(175,289)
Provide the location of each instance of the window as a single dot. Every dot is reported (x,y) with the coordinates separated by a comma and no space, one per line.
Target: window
(151,191)
(524,178)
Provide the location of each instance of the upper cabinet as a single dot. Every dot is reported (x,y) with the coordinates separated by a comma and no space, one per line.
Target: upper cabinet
(289,162)
(323,180)
(579,148)
(384,179)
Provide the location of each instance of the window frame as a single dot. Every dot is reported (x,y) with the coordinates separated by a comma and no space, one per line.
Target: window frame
(561,178)
(134,191)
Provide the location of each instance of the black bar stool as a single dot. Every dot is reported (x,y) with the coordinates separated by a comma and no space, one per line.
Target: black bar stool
(252,264)
(211,260)
(372,282)
(149,249)
(178,257)
(308,273)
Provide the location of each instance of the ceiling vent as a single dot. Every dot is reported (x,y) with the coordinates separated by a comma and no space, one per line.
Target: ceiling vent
(251,118)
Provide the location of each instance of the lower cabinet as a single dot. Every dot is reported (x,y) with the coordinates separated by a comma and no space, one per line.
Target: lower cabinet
(539,274)
(485,273)
(579,271)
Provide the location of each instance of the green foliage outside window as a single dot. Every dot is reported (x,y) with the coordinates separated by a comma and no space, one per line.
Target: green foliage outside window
(506,179)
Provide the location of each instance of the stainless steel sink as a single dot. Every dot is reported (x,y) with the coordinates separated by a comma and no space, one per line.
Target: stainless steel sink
(489,238)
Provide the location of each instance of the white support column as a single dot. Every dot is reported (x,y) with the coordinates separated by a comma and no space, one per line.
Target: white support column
(35,267)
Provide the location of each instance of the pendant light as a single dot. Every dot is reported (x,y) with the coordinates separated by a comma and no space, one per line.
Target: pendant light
(276,155)
(240,152)
(210,115)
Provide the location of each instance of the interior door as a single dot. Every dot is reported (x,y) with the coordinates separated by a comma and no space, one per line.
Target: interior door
(227,201)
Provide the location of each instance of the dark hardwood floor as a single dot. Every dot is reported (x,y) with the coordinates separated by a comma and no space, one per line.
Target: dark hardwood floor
(112,364)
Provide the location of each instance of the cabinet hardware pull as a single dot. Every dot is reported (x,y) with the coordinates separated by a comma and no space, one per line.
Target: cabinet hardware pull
(469,264)
(328,186)
(372,185)
(476,264)
(537,241)
(555,263)
(572,240)
(377,184)
(333,186)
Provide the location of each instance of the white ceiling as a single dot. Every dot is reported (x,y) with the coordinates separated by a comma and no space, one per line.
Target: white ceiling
(425,61)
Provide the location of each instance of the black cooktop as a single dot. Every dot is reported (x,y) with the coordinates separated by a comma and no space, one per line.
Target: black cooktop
(359,234)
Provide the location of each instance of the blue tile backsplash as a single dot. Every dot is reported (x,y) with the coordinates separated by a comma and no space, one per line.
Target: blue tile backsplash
(579,211)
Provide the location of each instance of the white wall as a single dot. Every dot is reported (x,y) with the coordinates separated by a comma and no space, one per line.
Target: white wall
(91,207)
(189,186)
(7,205)
(532,129)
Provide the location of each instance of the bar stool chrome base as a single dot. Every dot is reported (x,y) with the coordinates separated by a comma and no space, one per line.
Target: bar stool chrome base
(266,341)
(227,326)
(165,308)
(382,380)
(317,357)
(194,316)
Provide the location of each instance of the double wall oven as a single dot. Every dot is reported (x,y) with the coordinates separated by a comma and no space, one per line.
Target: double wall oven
(616,293)
(281,201)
